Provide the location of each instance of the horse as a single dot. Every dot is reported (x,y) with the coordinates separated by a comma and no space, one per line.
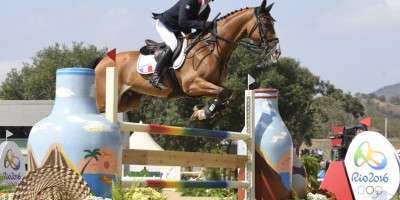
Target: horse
(204,68)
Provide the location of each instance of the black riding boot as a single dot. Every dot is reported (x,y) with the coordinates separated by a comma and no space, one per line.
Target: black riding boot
(156,80)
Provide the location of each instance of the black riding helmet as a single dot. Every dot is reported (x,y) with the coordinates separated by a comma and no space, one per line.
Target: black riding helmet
(361,126)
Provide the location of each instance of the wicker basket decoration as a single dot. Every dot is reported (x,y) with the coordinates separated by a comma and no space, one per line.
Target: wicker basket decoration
(52,182)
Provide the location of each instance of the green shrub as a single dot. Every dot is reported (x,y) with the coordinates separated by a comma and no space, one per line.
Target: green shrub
(135,192)
(227,193)
(312,166)
(4,187)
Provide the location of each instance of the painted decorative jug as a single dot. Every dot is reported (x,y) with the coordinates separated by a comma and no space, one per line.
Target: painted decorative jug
(75,135)
(273,140)
(273,145)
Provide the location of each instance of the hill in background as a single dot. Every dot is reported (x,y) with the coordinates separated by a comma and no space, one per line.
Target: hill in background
(382,105)
(388,91)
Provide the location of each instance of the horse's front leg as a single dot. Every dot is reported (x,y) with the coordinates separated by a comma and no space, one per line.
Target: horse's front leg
(223,98)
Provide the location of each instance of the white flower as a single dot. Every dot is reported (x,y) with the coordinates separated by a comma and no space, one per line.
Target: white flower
(311,196)
(95,198)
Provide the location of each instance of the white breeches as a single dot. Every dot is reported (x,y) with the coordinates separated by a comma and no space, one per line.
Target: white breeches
(168,36)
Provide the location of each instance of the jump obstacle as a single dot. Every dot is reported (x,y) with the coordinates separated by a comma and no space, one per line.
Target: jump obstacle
(173,158)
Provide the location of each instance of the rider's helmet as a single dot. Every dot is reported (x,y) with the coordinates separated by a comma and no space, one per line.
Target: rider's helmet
(361,126)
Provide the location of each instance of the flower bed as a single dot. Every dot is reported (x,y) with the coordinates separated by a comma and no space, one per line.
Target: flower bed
(6,196)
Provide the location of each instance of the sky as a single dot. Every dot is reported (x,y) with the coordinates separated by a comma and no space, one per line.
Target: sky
(353,44)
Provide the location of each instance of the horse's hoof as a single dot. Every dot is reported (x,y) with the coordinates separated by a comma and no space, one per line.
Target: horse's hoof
(193,117)
(198,115)
(198,107)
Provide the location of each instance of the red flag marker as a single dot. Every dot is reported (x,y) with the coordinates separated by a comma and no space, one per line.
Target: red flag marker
(366,121)
(112,54)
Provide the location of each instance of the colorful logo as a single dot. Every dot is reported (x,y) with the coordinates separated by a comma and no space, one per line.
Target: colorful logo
(10,160)
(366,155)
(370,191)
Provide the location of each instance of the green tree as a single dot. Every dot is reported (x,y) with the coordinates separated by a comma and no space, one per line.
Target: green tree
(382,98)
(36,81)
(394,100)
(13,87)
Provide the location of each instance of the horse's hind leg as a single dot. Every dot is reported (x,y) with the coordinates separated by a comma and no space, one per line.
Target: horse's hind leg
(129,101)
(226,96)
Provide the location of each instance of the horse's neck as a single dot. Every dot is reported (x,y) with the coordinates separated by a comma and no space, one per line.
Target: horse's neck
(234,28)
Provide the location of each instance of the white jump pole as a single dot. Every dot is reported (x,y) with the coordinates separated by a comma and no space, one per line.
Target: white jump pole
(250,145)
(112,94)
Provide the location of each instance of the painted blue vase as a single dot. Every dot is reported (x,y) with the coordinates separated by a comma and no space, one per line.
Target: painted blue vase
(76,135)
(273,142)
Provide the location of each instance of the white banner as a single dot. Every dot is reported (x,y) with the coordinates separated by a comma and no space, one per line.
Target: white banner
(12,164)
(372,166)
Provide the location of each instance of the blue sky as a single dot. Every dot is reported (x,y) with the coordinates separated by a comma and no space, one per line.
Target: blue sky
(354,44)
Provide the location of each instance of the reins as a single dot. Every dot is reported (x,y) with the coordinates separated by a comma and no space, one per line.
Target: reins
(248,45)
(213,38)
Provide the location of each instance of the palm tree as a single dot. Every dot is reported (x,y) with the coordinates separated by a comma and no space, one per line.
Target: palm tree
(91,154)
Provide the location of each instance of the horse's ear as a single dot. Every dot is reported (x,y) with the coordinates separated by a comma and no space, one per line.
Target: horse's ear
(269,7)
(263,4)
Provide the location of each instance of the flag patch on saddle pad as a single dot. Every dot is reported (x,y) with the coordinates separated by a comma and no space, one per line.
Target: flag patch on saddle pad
(146,69)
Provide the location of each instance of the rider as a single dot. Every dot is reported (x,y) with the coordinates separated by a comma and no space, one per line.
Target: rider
(182,17)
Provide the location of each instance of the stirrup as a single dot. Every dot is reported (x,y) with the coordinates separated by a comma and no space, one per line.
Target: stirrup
(156,81)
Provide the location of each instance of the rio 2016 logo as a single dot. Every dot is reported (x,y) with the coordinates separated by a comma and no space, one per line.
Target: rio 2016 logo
(366,155)
(11,160)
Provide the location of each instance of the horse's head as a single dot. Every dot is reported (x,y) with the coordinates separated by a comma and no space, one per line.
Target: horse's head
(263,31)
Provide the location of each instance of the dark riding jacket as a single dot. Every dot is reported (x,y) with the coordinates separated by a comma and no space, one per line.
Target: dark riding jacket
(184,16)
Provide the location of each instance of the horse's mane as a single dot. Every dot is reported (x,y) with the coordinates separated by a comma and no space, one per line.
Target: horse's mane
(231,13)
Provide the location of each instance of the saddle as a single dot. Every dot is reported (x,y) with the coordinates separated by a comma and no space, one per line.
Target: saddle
(156,48)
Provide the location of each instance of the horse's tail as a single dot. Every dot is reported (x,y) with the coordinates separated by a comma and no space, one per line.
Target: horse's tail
(94,63)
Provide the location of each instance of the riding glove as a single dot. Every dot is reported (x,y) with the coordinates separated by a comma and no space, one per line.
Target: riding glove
(208,25)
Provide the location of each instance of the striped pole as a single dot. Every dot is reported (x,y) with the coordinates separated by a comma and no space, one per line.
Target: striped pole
(128,181)
(181,131)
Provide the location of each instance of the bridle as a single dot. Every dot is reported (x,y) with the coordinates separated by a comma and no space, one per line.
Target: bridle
(267,45)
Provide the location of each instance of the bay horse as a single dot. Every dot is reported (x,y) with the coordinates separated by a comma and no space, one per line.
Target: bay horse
(204,68)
